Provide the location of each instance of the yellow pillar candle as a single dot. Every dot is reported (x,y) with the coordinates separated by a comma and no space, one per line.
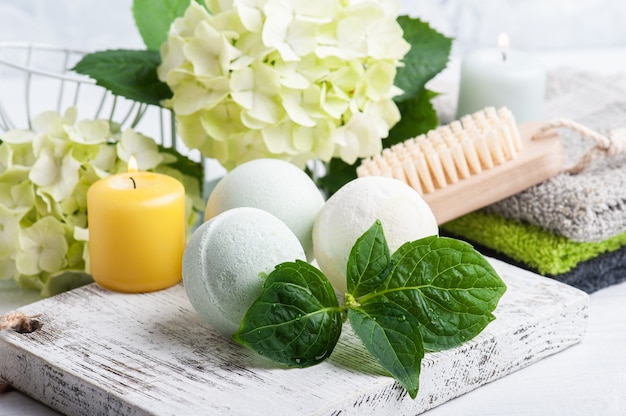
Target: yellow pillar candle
(136,231)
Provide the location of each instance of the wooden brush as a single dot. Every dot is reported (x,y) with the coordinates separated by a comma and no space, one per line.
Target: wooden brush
(472,162)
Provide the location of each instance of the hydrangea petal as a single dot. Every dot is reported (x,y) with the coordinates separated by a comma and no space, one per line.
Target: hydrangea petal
(192,97)
(17,198)
(251,17)
(172,56)
(192,131)
(303,139)
(8,269)
(277,138)
(105,159)
(45,170)
(42,247)
(57,176)
(9,232)
(377,80)
(143,148)
(279,16)
(293,101)
(222,122)
(18,136)
(88,131)
(210,53)
(242,85)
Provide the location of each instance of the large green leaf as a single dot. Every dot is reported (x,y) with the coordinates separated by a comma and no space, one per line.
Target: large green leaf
(129,73)
(154,18)
(368,262)
(338,173)
(428,56)
(296,320)
(447,285)
(184,165)
(392,336)
(418,117)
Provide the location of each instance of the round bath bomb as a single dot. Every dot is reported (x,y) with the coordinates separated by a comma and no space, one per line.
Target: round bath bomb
(354,208)
(275,186)
(226,258)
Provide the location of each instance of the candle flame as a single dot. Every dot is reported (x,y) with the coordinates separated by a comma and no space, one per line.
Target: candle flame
(132,164)
(503,41)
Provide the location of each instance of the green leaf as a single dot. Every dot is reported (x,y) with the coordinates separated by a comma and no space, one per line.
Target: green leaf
(183,164)
(64,281)
(154,18)
(428,56)
(296,320)
(368,262)
(392,336)
(447,285)
(129,73)
(338,173)
(418,117)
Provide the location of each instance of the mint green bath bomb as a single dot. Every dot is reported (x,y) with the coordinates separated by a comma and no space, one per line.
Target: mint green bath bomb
(226,260)
(275,186)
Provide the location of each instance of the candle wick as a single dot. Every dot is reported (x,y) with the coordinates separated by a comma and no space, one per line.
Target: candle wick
(134,184)
(503,56)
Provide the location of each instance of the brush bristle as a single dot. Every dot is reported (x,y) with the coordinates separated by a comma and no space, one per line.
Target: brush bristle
(449,153)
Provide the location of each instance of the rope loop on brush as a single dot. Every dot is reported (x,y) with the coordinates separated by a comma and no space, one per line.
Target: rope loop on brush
(610,145)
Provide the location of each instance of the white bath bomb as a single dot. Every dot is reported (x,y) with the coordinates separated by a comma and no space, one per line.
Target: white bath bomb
(275,186)
(225,259)
(354,208)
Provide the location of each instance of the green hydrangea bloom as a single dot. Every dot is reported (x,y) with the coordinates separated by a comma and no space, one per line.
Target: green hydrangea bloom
(296,80)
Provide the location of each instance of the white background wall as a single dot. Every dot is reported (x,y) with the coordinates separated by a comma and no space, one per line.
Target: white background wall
(81,24)
(532,24)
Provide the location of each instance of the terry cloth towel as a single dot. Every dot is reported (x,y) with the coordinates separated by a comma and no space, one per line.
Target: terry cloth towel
(590,206)
(589,266)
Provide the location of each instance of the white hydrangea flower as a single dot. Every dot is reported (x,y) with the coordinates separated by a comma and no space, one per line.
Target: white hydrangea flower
(291,79)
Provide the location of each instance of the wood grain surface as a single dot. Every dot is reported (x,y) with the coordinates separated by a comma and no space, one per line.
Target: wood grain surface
(104,353)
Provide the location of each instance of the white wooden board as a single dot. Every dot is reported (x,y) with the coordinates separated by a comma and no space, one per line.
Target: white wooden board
(106,353)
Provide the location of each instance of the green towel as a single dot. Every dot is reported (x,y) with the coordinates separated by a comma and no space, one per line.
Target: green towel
(548,253)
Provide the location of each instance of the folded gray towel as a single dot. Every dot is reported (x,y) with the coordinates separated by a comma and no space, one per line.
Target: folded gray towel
(590,206)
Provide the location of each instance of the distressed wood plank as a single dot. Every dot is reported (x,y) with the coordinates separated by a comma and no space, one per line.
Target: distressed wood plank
(101,352)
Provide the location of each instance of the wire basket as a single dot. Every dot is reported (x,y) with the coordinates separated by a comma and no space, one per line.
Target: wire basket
(36,78)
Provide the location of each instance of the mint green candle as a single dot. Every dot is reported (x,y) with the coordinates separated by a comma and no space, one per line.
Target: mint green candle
(501,77)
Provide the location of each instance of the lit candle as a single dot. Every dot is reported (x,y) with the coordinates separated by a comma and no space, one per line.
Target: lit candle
(136,231)
(501,77)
